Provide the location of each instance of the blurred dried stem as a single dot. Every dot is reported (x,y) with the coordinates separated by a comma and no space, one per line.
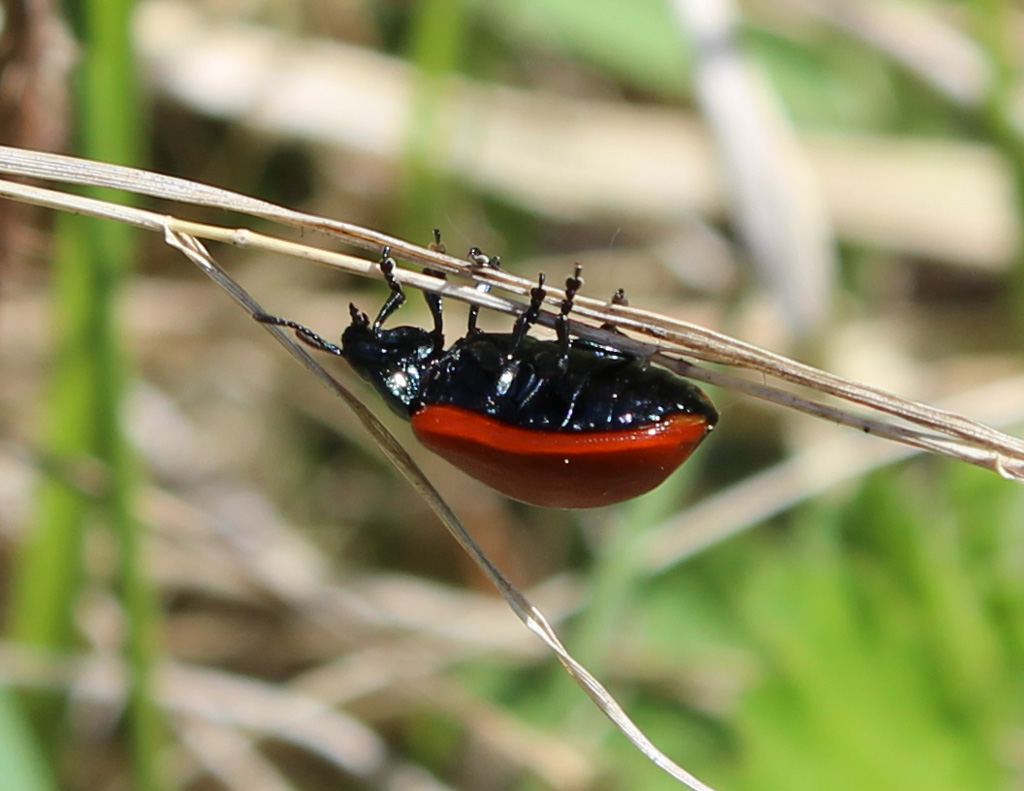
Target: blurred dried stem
(917,425)
(775,199)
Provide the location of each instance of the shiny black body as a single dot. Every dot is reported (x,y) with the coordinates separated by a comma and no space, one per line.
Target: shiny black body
(565,385)
(535,386)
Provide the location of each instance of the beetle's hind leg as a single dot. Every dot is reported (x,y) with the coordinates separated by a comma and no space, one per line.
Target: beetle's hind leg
(303,333)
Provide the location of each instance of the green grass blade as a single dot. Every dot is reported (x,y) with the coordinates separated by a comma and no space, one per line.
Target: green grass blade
(84,421)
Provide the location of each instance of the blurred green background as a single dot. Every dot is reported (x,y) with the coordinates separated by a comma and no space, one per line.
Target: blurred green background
(212,580)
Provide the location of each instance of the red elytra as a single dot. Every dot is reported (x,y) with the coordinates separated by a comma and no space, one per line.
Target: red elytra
(560,470)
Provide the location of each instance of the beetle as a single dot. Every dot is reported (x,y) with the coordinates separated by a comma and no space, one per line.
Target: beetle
(567,423)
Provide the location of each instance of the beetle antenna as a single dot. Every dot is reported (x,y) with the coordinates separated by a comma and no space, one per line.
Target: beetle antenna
(303,333)
(396,298)
(478,258)
(528,318)
(572,286)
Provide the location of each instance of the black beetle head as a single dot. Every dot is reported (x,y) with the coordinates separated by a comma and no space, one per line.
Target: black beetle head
(394,361)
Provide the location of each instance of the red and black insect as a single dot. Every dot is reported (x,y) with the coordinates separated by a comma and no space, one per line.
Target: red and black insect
(562,424)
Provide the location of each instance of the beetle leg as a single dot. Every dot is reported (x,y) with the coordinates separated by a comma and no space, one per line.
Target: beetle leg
(396,298)
(478,258)
(572,286)
(434,301)
(618,298)
(358,317)
(304,334)
(437,245)
(529,317)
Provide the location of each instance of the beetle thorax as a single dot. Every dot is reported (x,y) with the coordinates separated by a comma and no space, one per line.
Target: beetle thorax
(394,361)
